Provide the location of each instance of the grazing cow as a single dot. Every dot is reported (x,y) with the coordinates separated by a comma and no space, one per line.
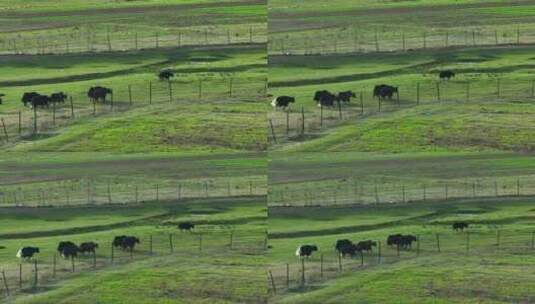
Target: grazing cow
(305,250)
(282,102)
(366,245)
(384,91)
(459,226)
(393,239)
(59,97)
(345,96)
(1,95)
(40,101)
(88,247)
(342,243)
(406,241)
(118,240)
(27,252)
(324,98)
(98,93)
(446,75)
(186,226)
(166,75)
(129,243)
(68,249)
(28,96)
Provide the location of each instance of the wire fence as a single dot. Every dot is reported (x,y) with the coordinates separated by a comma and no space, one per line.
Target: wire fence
(26,122)
(306,121)
(48,266)
(109,191)
(355,191)
(362,39)
(103,38)
(327,263)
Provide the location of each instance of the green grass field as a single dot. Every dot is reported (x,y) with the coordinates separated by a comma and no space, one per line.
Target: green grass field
(486,107)
(71,26)
(314,27)
(482,273)
(205,256)
(220,87)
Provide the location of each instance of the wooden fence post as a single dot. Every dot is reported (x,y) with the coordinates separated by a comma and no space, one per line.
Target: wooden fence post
(417,245)
(200,242)
(169,84)
(302,272)
(230,87)
(20,122)
(36,274)
(467,242)
(72,264)
(5,130)
(272,282)
(438,242)
(302,120)
(200,89)
(150,92)
(112,253)
(94,259)
(321,265)
(35,120)
(130,94)
(54,263)
(72,107)
(321,115)
(171,242)
(379,252)
(5,282)
(340,262)
(287,275)
(273,135)
(20,275)
(361,103)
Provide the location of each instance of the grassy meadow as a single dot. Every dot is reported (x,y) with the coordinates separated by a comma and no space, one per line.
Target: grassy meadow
(486,107)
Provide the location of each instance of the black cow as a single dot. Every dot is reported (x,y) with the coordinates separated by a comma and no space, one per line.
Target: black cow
(40,101)
(68,249)
(393,239)
(282,101)
(98,93)
(88,247)
(366,245)
(118,240)
(166,74)
(325,98)
(305,250)
(446,75)
(342,243)
(27,252)
(186,226)
(28,96)
(345,96)
(384,91)
(459,226)
(406,241)
(129,243)
(59,97)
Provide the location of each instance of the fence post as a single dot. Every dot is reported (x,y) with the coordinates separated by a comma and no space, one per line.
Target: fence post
(200,89)
(112,253)
(340,110)
(170,90)
(302,120)
(72,107)
(5,130)
(302,272)
(94,259)
(230,87)
(36,274)
(438,242)
(72,264)
(417,93)
(467,242)
(150,245)
(150,92)
(272,131)
(379,252)
(5,282)
(467,91)
(417,245)
(34,120)
(438,91)
(20,122)
(287,275)
(518,186)
(54,263)
(272,282)
(130,94)
(339,262)
(200,242)
(171,242)
(361,103)
(498,239)
(20,275)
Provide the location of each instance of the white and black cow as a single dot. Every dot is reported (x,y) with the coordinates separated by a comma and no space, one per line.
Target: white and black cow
(27,252)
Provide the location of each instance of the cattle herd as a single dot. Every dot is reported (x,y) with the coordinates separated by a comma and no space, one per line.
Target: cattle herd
(345,247)
(325,98)
(37,100)
(68,249)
